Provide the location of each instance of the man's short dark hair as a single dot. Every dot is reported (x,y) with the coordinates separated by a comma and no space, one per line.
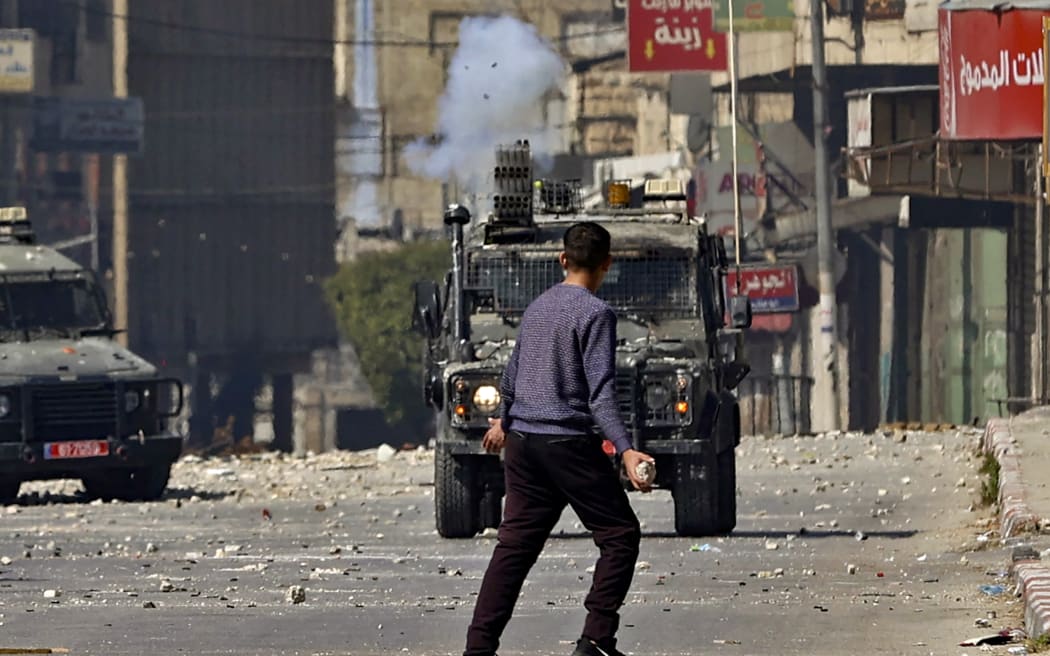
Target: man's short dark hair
(587,245)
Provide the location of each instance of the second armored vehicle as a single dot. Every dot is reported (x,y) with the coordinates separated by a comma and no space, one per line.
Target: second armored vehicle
(73,402)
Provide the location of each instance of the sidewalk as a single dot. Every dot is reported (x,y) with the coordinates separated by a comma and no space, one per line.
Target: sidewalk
(1021,445)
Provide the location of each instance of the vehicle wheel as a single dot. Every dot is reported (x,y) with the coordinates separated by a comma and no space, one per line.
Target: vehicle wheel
(456,500)
(727,491)
(695,509)
(9,490)
(148,483)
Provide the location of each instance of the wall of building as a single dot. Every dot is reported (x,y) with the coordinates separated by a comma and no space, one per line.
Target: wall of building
(73,58)
(232,202)
(899,32)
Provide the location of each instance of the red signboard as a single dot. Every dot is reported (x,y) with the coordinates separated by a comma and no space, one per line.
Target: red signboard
(991,74)
(772,288)
(665,36)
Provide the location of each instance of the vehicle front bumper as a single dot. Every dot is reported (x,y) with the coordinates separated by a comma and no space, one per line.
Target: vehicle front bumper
(27,460)
(652,447)
(679,447)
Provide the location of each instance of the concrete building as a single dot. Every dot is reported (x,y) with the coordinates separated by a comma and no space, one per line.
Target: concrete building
(939,304)
(62,190)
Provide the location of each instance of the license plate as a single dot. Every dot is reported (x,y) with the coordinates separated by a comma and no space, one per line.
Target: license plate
(81,449)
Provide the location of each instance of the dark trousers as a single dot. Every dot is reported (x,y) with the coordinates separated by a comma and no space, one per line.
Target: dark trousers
(543,475)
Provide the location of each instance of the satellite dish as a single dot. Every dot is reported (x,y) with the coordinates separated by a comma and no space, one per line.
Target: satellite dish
(697,134)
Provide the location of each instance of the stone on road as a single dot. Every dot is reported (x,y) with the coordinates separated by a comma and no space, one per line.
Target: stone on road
(845,543)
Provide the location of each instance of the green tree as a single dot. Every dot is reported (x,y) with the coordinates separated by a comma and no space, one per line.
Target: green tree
(373,301)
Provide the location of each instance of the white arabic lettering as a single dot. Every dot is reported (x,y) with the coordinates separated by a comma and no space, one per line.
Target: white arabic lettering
(664,6)
(1026,77)
(948,80)
(689,38)
(766,283)
(1022,70)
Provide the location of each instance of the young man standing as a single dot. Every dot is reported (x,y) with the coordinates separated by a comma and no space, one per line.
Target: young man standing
(559,382)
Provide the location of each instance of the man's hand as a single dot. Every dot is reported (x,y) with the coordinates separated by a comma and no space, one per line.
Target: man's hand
(631,459)
(494,437)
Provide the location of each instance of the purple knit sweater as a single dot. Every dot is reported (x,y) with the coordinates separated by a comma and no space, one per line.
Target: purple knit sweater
(561,377)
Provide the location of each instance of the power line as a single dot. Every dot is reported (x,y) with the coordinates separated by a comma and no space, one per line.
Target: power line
(282,38)
(357,144)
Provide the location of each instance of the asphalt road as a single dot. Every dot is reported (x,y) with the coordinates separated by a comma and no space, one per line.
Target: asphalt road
(208,569)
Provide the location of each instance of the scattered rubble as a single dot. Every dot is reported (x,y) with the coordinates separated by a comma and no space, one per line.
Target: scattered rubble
(817,495)
(296,595)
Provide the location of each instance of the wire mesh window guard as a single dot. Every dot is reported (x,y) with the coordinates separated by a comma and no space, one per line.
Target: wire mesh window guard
(646,283)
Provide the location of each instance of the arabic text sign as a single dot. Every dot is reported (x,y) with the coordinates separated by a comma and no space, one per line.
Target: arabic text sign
(669,36)
(16,61)
(112,125)
(770,288)
(991,74)
(756,16)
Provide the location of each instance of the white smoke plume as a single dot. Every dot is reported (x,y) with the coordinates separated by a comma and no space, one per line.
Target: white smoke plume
(497,80)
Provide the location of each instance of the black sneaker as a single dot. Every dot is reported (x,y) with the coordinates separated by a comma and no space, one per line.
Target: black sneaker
(586,647)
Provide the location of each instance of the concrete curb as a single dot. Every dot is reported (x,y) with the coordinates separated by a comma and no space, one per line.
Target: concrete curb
(1015,517)
(1033,580)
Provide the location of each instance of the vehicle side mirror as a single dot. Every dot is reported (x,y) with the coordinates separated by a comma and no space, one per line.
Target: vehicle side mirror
(718,247)
(734,373)
(426,319)
(740,312)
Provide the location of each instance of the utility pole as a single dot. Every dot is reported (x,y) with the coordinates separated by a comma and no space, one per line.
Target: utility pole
(120,176)
(8,121)
(825,368)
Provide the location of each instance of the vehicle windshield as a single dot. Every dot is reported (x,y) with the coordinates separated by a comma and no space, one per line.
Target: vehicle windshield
(38,307)
(647,285)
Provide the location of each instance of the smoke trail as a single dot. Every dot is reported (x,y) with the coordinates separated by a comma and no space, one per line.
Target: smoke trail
(497,81)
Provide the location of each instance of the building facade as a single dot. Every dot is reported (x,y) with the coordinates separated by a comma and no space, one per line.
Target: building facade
(388,90)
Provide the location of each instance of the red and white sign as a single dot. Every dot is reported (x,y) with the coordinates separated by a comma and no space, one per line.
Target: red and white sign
(991,74)
(772,288)
(665,36)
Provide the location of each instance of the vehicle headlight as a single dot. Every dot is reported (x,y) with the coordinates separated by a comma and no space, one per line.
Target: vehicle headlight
(487,398)
(5,405)
(657,396)
(132,401)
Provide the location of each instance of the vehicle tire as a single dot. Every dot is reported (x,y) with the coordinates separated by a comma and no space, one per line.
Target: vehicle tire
(148,483)
(9,490)
(693,490)
(456,500)
(726,477)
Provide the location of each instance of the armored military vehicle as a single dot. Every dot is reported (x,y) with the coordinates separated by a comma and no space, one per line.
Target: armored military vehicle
(73,402)
(676,359)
